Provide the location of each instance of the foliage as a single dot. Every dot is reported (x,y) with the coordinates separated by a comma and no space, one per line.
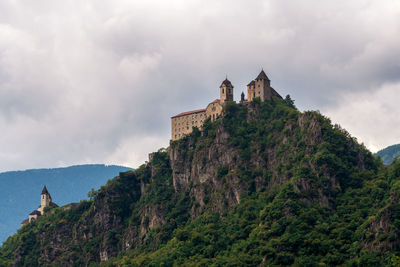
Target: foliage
(314,197)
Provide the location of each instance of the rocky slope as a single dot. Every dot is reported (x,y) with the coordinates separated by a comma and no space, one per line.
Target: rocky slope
(264,185)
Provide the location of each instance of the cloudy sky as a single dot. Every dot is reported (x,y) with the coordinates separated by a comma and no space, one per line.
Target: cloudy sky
(96,81)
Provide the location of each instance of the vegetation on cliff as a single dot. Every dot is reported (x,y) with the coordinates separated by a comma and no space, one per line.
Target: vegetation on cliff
(264,185)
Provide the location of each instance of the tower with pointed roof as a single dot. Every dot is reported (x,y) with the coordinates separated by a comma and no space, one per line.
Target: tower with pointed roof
(183,123)
(261,87)
(226,91)
(45,200)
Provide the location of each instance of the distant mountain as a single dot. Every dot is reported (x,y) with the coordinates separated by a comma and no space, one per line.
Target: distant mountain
(20,190)
(389,154)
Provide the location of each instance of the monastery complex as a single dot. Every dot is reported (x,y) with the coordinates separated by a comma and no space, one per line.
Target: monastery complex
(183,123)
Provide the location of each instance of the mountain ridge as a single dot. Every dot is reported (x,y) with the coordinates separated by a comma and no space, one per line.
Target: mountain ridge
(263,185)
(389,154)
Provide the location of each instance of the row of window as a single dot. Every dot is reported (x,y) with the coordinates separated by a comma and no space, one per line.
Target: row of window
(187,123)
(187,127)
(194,116)
(229,91)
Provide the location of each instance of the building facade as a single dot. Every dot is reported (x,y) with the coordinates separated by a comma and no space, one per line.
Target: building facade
(183,123)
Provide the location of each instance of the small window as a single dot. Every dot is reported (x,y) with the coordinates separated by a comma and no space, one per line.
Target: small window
(223,90)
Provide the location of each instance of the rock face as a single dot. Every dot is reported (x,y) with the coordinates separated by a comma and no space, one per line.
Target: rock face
(197,166)
(197,171)
(253,148)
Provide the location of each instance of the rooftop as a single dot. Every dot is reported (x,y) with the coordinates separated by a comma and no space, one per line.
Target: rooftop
(252,83)
(189,112)
(262,76)
(44,191)
(35,212)
(227,82)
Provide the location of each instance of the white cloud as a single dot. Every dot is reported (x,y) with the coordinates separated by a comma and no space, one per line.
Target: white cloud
(372,117)
(89,81)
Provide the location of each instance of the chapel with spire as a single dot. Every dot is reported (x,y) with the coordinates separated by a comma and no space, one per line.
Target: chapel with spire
(45,201)
(183,123)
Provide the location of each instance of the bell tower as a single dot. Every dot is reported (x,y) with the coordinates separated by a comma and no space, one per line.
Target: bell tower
(45,199)
(226,91)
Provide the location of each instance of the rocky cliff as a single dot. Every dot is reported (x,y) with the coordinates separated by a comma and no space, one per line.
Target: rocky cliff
(264,185)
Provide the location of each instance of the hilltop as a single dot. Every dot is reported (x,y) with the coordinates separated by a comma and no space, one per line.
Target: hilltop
(263,185)
(20,190)
(389,154)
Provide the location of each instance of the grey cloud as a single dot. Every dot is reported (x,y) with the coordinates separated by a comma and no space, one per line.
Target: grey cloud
(96,81)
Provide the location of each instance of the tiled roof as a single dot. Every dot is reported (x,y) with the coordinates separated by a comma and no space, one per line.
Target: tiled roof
(52,204)
(215,101)
(189,112)
(275,93)
(251,83)
(25,221)
(35,212)
(226,82)
(262,76)
(45,192)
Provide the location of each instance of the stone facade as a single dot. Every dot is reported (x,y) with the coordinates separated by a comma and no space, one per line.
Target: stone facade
(261,87)
(183,123)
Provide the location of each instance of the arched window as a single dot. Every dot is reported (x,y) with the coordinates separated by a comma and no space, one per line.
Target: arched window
(222,90)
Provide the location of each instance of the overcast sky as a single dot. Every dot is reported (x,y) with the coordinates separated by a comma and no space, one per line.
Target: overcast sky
(95,81)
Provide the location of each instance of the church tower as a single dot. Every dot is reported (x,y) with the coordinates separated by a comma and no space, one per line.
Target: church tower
(45,200)
(226,91)
(262,87)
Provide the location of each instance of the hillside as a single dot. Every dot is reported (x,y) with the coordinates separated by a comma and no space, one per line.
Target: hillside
(389,154)
(264,185)
(20,190)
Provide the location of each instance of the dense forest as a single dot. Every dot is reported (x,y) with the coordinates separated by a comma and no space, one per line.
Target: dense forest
(263,185)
